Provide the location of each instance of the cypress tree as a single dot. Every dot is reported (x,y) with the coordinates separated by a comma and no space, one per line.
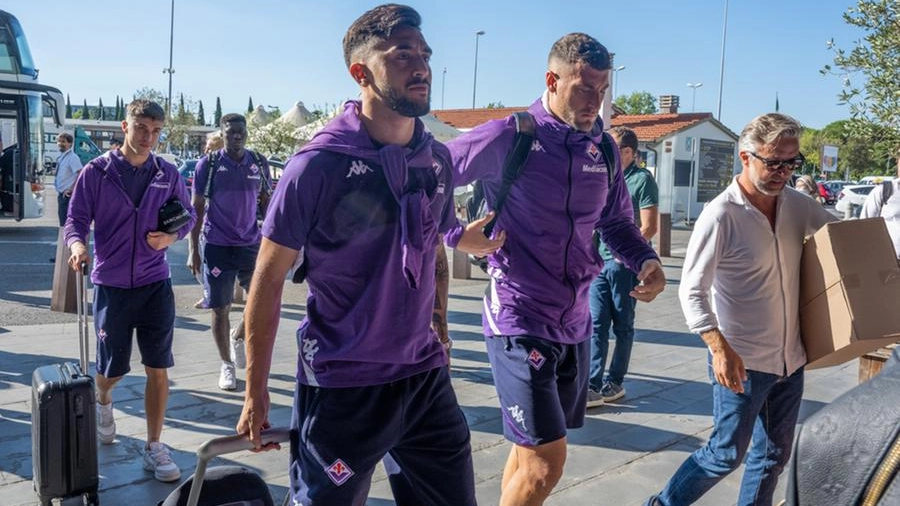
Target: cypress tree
(217,114)
(68,107)
(201,116)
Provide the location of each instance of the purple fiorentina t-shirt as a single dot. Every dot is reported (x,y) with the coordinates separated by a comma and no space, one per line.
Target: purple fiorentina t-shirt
(369,249)
(230,218)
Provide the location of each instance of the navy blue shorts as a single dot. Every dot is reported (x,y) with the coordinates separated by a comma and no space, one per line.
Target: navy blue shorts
(340,434)
(542,386)
(221,266)
(148,311)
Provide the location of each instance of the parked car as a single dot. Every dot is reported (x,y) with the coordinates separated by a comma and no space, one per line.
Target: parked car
(186,170)
(851,199)
(826,196)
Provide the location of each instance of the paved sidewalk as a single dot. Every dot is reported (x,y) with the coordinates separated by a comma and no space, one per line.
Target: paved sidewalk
(624,453)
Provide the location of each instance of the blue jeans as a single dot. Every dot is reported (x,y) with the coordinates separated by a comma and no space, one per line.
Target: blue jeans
(610,303)
(762,418)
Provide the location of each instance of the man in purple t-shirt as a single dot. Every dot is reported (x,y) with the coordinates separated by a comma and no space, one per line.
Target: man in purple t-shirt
(359,210)
(227,185)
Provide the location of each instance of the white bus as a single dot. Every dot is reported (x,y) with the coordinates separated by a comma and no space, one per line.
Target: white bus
(23,104)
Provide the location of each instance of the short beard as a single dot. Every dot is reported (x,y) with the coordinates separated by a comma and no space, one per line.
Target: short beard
(404,107)
(761,188)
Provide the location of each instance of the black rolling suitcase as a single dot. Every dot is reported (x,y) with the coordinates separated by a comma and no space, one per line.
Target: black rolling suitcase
(226,485)
(63,422)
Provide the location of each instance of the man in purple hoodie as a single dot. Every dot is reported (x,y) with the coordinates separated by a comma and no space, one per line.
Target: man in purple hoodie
(359,210)
(121,193)
(536,316)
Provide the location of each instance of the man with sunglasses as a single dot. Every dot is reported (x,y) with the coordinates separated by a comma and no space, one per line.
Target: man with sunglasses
(740,291)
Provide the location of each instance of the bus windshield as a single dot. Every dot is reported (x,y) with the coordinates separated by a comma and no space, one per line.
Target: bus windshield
(15,56)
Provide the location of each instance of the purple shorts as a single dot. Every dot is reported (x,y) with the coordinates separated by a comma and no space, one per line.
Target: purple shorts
(147,311)
(542,386)
(340,434)
(221,266)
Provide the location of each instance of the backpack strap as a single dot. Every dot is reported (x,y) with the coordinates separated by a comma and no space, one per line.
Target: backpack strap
(265,186)
(887,189)
(609,155)
(214,159)
(515,162)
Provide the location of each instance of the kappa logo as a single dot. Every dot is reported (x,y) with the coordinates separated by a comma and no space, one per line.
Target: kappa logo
(339,472)
(536,146)
(535,359)
(517,415)
(215,272)
(436,165)
(310,348)
(358,168)
(593,152)
(159,174)
(101,334)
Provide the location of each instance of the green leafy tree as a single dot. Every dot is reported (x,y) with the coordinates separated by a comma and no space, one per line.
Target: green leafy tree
(201,116)
(68,107)
(855,154)
(217,114)
(277,139)
(496,105)
(151,94)
(638,102)
(870,73)
(250,106)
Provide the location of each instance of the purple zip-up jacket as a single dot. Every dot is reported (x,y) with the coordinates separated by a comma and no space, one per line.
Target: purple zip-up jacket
(122,257)
(365,220)
(541,275)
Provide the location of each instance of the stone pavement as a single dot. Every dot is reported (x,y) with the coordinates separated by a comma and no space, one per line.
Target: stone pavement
(624,452)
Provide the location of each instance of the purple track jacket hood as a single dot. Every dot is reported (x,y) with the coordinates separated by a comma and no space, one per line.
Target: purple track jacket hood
(541,275)
(122,257)
(366,219)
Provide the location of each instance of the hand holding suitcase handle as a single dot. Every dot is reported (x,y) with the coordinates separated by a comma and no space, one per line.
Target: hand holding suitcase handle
(78,259)
(229,444)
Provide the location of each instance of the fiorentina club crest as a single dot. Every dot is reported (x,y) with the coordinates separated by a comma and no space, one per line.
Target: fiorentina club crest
(339,472)
(536,359)
(215,272)
(101,335)
(254,169)
(593,152)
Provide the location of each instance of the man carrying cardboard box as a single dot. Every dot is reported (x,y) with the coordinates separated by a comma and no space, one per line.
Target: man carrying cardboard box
(740,291)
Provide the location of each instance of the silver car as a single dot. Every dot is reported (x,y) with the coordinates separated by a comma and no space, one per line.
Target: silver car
(851,199)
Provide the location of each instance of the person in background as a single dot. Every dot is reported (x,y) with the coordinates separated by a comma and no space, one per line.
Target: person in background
(740,288)
(807,186)
(235,179)
(68,165)
(610,299)
(884,201)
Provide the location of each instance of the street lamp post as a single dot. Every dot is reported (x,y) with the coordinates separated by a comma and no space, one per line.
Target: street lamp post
(170,70)
(443,86)
(694,93)
(475,75)
(616,71)
(722,64)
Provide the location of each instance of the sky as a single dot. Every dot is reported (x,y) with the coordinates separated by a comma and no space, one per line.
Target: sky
(282,51)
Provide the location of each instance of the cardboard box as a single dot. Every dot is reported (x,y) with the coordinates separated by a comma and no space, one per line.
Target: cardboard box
(849,292)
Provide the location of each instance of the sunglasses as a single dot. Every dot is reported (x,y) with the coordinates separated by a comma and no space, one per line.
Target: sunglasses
(773,164)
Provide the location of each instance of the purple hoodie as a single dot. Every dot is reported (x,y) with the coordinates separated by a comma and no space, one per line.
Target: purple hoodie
(122,257)
(366,220)
(540,277)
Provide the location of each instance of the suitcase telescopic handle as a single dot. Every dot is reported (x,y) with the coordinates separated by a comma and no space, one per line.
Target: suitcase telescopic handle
(229,444)
(81,309)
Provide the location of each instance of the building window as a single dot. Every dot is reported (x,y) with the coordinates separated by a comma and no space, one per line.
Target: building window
(683,170)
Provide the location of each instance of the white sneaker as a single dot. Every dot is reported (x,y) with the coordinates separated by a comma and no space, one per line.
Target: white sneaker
(158,458)
(238,356)
(106,423)
(227,381)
